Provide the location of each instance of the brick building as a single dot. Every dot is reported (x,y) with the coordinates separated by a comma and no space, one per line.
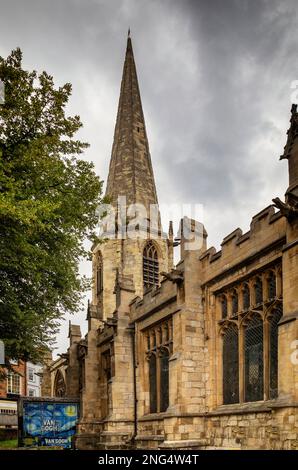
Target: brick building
(200,355)
(12,386)
(15,382)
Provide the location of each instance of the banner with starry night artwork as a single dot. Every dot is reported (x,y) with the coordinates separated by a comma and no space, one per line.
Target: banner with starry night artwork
(50,424)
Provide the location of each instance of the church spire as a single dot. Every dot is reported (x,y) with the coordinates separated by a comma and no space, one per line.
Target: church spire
(130,172)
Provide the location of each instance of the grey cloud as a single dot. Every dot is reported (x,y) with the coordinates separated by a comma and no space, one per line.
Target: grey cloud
(215,82)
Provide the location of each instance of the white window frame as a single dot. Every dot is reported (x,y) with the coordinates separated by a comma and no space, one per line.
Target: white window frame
(10,377)
(31,372)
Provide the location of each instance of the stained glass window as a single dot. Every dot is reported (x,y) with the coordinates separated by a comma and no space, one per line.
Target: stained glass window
(254,367)
(246,297)
(273,353)
(230,366)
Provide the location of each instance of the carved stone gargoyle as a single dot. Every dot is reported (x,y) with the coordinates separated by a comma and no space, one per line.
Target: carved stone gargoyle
(176,276)
(289,209)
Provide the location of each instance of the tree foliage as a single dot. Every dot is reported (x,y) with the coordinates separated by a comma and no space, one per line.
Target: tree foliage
(48,202)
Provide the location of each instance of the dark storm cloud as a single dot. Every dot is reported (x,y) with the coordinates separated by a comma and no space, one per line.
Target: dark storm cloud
(215,81)
(231,114)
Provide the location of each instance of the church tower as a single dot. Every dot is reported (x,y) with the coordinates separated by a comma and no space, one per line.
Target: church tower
(138,251)
(125,264)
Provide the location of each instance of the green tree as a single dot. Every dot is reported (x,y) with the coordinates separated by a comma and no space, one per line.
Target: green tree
(48,201)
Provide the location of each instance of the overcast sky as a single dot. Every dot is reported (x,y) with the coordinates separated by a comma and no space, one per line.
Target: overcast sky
(215,79)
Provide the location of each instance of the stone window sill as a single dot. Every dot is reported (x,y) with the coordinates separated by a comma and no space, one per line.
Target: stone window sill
(251,407)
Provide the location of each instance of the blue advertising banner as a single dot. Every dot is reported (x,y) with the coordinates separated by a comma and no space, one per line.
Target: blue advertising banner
(49,424)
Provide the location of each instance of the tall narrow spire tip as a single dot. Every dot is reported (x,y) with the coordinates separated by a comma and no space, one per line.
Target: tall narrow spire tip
(130,172)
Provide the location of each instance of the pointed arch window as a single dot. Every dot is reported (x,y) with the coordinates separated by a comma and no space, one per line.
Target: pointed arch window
(246,297)
(159,343)
(224,307)
(253,358)
(230,366)
(234,302)
(59,385)
(258,291)
(164,379)
(150,266)
(250,366)
(106,383)
(152,383)
(271,284)
(273,352)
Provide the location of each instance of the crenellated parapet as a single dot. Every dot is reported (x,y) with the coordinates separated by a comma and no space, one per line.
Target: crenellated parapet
(267,230)
(154,299)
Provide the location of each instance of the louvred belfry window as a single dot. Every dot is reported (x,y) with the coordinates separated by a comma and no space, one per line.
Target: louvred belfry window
(150,266)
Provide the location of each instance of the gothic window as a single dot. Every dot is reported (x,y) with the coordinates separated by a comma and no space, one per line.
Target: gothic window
(253,358)
(106,392)
(250,341)
(258,291)
(59,385)
(271,283)
(159,345)
(234,302)
(150,266)
(273,352)
(224,307)
(246,297)
(99,274)
(164,379)
(152,383)
(230,366)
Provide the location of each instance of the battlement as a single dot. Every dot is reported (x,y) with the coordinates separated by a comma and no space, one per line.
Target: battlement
(154,299)
(266,228)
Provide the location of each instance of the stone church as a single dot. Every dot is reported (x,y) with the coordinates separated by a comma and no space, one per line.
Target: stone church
(200,355)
